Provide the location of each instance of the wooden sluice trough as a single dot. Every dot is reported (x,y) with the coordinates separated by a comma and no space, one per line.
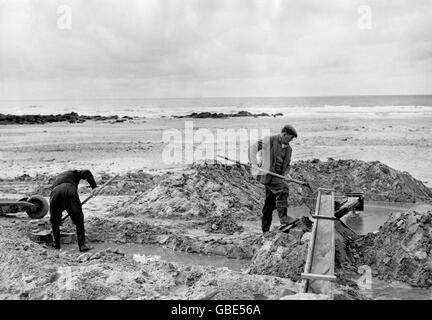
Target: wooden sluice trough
(318,276)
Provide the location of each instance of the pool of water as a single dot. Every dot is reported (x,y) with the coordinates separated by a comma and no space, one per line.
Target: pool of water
(382,290)
(362,222)
(169,255)
(369,220)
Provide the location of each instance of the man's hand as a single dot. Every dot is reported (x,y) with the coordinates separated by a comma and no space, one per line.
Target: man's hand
(259,159)
(255,172)
(95,191)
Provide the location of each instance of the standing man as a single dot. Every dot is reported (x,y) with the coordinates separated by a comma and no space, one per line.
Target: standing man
(275,157)
(64,196)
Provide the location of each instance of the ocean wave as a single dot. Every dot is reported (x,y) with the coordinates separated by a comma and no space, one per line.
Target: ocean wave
(169,108)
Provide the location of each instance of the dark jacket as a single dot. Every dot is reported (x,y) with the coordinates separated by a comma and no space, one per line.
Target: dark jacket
(73,177)
(268,147)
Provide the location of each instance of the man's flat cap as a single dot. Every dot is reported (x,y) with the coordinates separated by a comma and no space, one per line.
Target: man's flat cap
(290,129)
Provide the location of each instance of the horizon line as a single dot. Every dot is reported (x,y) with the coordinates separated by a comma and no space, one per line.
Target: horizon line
(220,97)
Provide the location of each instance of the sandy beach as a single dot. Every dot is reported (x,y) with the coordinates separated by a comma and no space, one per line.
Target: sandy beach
(205,220)
(401,142)
(150,109)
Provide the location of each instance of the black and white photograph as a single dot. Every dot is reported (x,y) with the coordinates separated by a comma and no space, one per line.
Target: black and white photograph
(237,151)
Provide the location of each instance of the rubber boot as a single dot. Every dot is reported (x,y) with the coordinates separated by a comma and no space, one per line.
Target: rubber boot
(81,244)
(289,220)
(288,223)
(56,236)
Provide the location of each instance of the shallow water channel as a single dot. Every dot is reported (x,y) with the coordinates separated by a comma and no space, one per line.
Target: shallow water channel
(362,222)
(380,290)
(369,220)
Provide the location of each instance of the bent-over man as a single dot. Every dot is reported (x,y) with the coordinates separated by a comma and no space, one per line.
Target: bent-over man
(64,196)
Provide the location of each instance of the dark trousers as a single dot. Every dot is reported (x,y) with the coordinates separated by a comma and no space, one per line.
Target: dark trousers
(276,198)
(65,197)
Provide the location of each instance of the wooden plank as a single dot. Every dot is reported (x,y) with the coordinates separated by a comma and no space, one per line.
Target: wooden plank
(308,264)
(324,217)
(333,245)
(347,207)
(326,189)
(312,276)
(323,256)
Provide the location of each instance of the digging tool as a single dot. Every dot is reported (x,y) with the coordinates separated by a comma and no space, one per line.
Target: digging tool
(306,184)
(270,173)
(95,193)
(354,200)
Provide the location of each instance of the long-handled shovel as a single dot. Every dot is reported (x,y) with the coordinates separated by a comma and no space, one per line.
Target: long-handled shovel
(306,184)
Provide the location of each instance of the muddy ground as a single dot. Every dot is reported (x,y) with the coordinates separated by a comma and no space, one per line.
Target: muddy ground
(211,209)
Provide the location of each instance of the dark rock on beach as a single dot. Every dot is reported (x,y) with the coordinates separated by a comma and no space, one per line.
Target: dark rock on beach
(71,117)
(214,115)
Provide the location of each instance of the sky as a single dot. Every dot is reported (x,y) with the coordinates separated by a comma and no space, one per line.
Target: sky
(110,49)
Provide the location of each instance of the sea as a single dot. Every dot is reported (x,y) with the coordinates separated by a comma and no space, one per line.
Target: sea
(162,108)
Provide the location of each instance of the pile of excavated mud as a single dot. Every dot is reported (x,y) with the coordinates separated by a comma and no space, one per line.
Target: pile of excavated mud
(402,249)
(127,184)
(281,254)
(32,271)
(223,224)
(201,190)
(151,278)
(378,181)
(214,189)
(284,254)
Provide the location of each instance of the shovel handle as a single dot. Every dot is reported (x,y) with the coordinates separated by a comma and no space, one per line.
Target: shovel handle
(268,172)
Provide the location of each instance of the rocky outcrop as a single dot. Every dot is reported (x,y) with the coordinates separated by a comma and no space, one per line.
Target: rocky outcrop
(71,117)
(214,115)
